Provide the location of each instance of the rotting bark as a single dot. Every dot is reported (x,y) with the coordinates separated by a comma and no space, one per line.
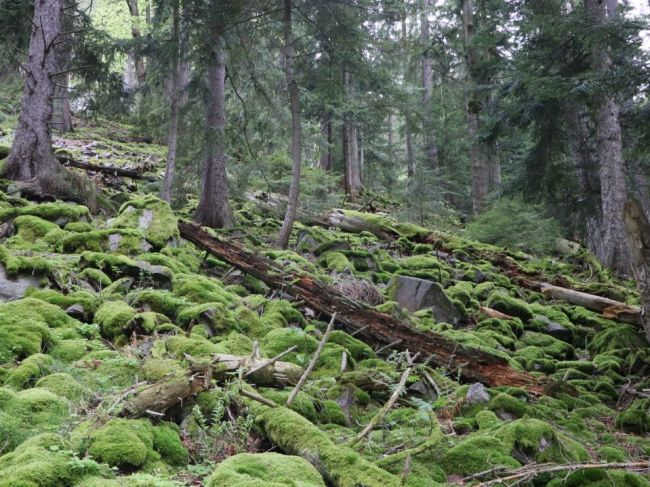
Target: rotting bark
(375,328)
(638,234)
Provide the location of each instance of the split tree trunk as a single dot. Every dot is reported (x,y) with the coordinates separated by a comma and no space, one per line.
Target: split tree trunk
(296,135)
(613,191)
(369,325)
(214,208)
(31,155)
(427,87)
(638,234)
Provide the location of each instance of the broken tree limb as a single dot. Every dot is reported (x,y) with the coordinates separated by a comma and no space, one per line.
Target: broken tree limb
(66,160)
(312,362)
(378,418)
(263,373)
(162,395)
(270,361)
(380,329)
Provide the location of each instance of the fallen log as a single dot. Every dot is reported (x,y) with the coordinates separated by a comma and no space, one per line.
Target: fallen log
(66,160)
(159,397)
(265,374)
(609,308)
(373,327)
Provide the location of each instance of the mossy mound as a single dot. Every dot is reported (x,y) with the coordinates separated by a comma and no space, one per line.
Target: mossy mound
(150,215)
(265,470)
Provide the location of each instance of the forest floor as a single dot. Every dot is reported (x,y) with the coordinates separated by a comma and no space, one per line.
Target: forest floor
(125,351)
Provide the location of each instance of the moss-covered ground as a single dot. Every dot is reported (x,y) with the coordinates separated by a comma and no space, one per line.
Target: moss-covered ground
(119,301)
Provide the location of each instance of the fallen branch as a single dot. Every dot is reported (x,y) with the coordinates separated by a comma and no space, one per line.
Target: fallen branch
(262,373)
(530,471)
(270,361)
(313,362)
(380,329)
(66,160)
(256,397)
(378,418)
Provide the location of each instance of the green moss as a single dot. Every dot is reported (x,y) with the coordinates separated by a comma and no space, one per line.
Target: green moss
(54,212)
(200,289)
(16,265)
(511,306)
(150,215)
(21,337)
(157,300)
(336,261)
(611,454)
(303,403)
(123,443)
(44,461)
(214,315)
(31,228)
(486,420)
(475,454)
(79,227)
(600,478)
(265,470)
(551,346)
(30,412)
(357,349)
(97,278)
(154,369)
(88,300)
(175,264)
(168,444)
(63,385)
(115,319)
(483,290)
(280,339)
(503,402)
(294,434)
(178,346)
(74,349)
(32,368)
(634,421)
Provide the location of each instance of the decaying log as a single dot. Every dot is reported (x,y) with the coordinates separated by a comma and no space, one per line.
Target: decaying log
(66,160)
(375,328)
(638,235)
(493,313)
(276,374)
(609,308)
(159,397)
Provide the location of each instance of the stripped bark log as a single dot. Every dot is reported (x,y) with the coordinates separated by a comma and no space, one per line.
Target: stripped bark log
(380,329)
(276,374)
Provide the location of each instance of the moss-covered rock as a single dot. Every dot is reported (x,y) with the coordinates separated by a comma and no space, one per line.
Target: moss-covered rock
(167,443)
(62,384)
(265,469)
(150,215)
(115,319)
(511,306)
(123,443)
(31,369)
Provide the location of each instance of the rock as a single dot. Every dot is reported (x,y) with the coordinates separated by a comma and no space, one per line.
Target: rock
(305,242)
(114,240)
(158,274)
(558,331)
(76,311)
(14,288)
(477,394)
(414,294)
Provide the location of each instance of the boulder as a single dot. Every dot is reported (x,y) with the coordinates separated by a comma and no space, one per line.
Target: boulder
(414,294)
(15,287)
(477,394)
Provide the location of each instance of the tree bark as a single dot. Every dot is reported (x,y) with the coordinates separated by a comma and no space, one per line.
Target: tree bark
(427,87)
(408,123)
(176,101)
(638,234)
(370,325)
(350,148)
(616,253)
(138,60)
(296,135)
(479,170)
(214,208)
(326,139)
(31,155)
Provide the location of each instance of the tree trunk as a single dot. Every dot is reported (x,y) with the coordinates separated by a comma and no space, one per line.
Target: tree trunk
(326,139)
(138,60)
(175,106)
(408,129)
(350,148)
(296,136)
(214,208)
(62,117)
(638,234)
(616,252)
(480,173)
(427,87)
(31,155)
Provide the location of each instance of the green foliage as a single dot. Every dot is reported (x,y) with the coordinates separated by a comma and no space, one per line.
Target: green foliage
(516,225)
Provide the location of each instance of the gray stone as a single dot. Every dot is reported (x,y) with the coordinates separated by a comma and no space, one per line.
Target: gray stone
(414,294)
(560,332)
(160,275)
(76,311)
(477,394)
(145,219)
(14,287)
(114,240)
